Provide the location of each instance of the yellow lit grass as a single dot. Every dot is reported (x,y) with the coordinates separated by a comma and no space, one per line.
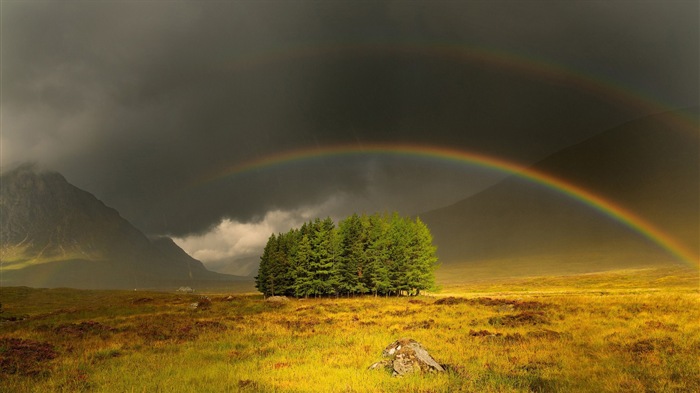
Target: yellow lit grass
(626,330)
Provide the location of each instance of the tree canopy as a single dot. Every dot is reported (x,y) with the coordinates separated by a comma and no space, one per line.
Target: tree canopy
(376,254)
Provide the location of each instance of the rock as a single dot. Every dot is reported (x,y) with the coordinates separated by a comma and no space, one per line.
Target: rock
(204,303)
(381,365)
(407,356)
(277,299)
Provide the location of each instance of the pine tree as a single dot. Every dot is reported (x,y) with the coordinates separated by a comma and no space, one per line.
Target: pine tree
(377,270)
(378,254)
(302,285)
(291,244)
(264,281)
(322,255)
(351,254)
(399,237)
(425,258)
(261,277)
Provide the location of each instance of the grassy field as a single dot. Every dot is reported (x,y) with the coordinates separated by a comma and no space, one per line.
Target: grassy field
(631,330)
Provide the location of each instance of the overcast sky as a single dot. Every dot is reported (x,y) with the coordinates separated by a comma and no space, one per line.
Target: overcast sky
(137,101)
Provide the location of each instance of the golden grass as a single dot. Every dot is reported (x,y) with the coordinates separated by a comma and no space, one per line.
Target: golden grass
(634,330)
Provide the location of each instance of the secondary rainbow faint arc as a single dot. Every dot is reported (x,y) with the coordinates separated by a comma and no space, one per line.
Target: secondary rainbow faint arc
(605,88)
(611,209)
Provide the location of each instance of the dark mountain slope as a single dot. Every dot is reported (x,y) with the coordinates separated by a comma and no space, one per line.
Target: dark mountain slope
(55,234)
(648,166)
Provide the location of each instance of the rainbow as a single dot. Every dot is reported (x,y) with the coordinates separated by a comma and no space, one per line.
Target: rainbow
(605,89)
(619,213)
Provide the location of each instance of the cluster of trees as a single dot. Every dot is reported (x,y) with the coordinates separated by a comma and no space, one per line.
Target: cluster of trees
(376,254)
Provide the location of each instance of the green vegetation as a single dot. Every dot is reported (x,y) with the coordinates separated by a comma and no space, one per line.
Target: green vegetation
(378,254)
(606,332)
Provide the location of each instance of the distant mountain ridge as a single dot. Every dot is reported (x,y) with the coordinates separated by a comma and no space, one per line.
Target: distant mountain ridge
(55,234)
(648,166)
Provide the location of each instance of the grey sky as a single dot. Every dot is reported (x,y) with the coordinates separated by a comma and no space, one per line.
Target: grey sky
(132,100)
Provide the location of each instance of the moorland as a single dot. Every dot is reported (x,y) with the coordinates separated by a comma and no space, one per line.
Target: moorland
(624,330)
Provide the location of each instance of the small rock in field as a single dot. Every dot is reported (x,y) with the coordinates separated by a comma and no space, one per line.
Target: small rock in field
(407,356)
(277,299)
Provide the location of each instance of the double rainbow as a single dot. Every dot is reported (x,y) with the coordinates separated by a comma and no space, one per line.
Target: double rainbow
(615,211)
(545,71)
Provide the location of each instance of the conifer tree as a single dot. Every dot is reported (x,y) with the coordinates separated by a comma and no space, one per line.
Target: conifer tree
(267,277)
(351,254)
(261,280)
(377,271)
(322,256)
(303,286)
(291,241)
(399,238)
(425,258)
(378,254)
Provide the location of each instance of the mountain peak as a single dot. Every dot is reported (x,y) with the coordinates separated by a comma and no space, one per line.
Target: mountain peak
(46,223)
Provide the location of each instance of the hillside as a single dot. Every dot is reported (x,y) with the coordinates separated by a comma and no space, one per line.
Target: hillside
(649,166)
(55,234)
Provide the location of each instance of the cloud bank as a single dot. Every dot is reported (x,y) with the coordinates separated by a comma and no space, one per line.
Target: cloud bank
(137,102)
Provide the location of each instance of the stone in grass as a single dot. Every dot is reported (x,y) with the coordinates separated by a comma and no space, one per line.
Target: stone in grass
(204,303)
(277,299)
(406,356)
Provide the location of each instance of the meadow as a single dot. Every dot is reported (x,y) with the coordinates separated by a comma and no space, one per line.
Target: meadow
(631,330)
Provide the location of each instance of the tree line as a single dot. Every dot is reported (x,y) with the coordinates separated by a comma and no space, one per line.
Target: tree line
(364,254)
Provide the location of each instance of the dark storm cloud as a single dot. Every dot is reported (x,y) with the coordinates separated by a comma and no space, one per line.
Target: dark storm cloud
(136,101)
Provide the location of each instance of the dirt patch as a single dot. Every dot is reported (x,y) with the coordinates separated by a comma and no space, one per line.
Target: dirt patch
(402,313)
(82,329)
(548,334)
(142,300)
(300,325)
(644,346)
(671,327)
(515,337)
(520,319)
(517,305)
(425,324)
(24,357)
(482,333)
(166,332)
(511,304)
(450,301)
(13,318)
(211,326)
(167,328)
(641,346)
(62,311)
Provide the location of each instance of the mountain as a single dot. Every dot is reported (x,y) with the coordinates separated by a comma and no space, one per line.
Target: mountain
(55,234)
(648,166)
